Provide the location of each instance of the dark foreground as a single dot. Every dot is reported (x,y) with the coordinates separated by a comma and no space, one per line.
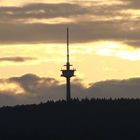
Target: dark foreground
(76,120)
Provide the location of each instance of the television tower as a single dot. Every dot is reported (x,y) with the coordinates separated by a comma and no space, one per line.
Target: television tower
(68,72)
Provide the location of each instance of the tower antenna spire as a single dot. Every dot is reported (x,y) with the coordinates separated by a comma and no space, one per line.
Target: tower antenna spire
(68,72)
(67,45)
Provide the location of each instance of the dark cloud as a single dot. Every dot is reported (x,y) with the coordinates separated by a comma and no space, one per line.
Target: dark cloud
(134,43)
(65,10)
(16,59)
(116,89)
(12,30)
(133,4)
(80,32)
(37,89)
(42,10)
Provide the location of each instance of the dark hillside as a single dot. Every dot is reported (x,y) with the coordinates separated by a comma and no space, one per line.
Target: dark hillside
(86,119)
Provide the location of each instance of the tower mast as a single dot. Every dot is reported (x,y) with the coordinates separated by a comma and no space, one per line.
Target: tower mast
(68,72)
(67,45)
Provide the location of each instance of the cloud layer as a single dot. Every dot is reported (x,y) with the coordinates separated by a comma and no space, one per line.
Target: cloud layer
(31,88)
(41,22)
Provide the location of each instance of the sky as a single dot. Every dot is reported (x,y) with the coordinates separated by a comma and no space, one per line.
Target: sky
(104,48)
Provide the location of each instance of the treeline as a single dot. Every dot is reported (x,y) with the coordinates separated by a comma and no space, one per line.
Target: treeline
(96,119)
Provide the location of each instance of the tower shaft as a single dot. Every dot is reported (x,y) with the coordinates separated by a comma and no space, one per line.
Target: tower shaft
(68,84)
(68,89)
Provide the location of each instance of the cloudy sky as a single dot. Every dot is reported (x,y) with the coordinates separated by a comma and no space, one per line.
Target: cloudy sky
(105,49)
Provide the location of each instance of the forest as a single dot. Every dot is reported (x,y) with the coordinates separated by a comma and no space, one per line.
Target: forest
(95,119)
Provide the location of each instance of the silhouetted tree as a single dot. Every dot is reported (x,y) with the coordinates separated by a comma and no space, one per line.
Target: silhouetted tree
(96,119)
